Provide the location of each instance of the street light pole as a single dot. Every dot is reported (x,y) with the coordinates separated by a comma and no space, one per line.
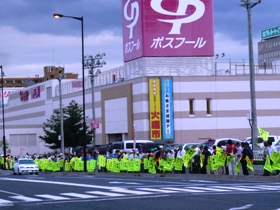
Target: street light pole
(3,116)
(60,77)
(83,78)
(249,4)
(92,63)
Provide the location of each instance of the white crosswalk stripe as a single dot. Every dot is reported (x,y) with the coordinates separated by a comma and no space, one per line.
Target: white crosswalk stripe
(52,197)
(158,190)
(145,191)
(25,198)
(78,195)
(185,190)
(135,192)
(105,193)
(4,202)
(209,189)
(238,188)
(265,187)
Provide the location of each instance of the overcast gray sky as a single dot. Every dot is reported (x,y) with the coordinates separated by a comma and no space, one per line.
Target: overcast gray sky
(31,38)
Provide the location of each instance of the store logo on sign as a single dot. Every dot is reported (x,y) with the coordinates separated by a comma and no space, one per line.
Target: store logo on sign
(133,16)
(181,11)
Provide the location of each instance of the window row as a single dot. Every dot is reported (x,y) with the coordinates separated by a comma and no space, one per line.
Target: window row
(192,106)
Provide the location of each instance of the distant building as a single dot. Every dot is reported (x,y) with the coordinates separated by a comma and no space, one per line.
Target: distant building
(269,47)
(50,72)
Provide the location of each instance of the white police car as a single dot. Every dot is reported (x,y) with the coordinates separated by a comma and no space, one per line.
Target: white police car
(25,165)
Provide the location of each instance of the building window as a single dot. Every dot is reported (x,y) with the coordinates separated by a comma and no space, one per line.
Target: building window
(23,140)
(208,106)
(191,105)
(49,93)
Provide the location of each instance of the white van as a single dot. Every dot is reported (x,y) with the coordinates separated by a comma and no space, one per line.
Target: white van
(126,145)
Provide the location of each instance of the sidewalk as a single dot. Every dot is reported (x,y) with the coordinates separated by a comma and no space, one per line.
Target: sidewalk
(163,175)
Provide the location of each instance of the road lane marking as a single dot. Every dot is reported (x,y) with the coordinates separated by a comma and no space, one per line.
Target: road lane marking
(238,188)
(102,199)
(78,195)
(4,202)
(184,190)
(104,193)
(157,190)
(206,189)
(58,183)
(7,192)
(202,181)
(242,207)
(25,198)
(265,187)
(124,183)
(52,197)
(124,190)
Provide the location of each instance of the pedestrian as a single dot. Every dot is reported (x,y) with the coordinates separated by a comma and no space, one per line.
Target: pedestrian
(158,155)
(206,154)
(265,155)
(230,150)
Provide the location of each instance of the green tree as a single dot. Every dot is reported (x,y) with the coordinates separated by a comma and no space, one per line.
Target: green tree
(72,126)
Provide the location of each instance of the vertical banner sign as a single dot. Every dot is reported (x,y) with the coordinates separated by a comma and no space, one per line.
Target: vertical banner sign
(167,108)
(134,136)
(155,110)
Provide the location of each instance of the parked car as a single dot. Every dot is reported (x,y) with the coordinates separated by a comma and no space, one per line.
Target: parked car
(184,145)
(277,146)
(102,149)
(125,145)
(143,145)
(219,142)
(24,165)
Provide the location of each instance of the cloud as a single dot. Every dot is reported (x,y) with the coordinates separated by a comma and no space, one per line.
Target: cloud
(234,50)
(24,53)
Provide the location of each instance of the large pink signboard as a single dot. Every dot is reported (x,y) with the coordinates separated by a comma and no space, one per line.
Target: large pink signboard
(167,28)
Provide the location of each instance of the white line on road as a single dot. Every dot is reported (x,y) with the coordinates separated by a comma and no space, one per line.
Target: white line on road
(124,183)
(7,192)
(105,193)
(53,197)
(206,189)
(58,183)
(202,181)
(242,207)
(25,198)
(238,188)
(157,190)
(78,195)
(184,190)
(124,190)
(6,203)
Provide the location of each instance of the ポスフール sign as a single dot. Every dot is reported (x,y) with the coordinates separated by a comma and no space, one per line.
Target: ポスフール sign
(167,28)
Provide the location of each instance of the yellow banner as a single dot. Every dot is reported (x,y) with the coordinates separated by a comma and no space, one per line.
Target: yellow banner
(155,109)
(263,133)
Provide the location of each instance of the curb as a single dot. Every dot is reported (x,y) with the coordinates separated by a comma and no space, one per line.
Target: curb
(166,175)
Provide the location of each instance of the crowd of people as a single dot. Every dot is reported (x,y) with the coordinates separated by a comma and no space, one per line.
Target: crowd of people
(232,160)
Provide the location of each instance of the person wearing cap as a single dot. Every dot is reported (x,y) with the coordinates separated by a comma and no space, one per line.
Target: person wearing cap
(132,154)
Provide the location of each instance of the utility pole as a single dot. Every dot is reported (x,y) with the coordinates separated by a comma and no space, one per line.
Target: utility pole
(92,63)
(60,77)
(249,4)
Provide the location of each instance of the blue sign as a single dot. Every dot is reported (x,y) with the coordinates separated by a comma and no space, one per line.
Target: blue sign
(270,33)
(167,108)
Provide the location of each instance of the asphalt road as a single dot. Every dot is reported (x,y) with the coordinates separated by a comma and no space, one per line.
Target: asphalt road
(84,191)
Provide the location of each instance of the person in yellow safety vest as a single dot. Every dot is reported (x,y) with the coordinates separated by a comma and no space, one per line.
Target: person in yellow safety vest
(8,160)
